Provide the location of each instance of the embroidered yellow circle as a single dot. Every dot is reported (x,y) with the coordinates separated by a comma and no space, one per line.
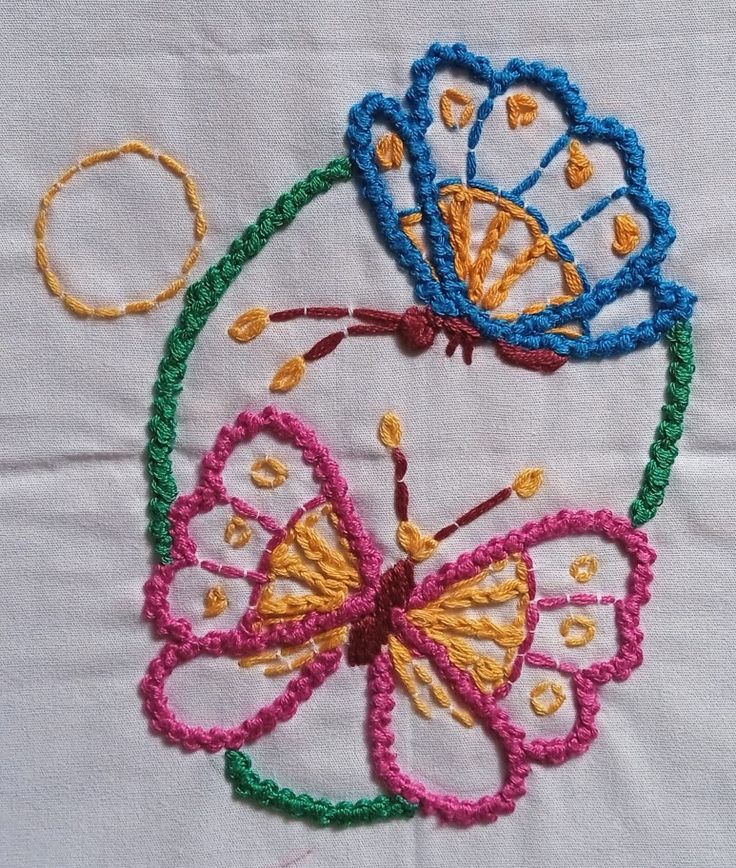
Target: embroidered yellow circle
(215,601)
(269,472)
(547,697)
(237,532)
(76,304)
(583,568)
(451,100)
(577,630)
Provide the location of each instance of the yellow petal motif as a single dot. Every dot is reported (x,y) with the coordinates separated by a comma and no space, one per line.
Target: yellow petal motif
(576,638)
(522,109)
(276,472)
(416,544)
(390,431)
(528,482)
(579,168)
(249,325)
(449,101)
(289,375)
(626,234)
(389,151)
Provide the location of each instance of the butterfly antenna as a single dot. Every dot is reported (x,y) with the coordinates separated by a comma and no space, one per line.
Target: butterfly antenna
(526,484)
(254,321)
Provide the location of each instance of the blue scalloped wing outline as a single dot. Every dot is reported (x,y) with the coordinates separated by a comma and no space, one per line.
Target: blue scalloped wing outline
(446,294)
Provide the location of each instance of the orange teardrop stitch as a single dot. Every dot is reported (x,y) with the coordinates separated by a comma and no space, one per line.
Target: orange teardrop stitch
(579,168)
(452,98)
(522,109)
(389,151)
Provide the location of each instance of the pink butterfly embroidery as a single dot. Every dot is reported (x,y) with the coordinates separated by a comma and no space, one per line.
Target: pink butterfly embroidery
(468,638)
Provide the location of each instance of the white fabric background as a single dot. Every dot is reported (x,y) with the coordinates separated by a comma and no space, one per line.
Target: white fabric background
(251,97)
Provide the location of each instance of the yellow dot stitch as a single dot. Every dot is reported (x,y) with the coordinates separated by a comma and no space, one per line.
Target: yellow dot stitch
(577,630)
(390,431)
(626,234)
(553,703)
(269,472)
(451,100)
(389,151)
(237,532)
(77,305)
(522,109)
(579,168)
(215,601)
(249,325)
(583,568)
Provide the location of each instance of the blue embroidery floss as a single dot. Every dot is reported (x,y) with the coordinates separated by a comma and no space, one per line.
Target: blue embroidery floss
(437,283)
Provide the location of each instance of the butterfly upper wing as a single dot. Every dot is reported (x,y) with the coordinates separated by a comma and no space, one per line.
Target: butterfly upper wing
(311,578)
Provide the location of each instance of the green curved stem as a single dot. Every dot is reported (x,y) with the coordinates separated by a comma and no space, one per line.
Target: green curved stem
(249,786)
(663,450)
(201,299)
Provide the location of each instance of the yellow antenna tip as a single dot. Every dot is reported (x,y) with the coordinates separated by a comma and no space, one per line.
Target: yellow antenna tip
(390,431)
(417,545)
(289,375)
(249,325)
(528,482)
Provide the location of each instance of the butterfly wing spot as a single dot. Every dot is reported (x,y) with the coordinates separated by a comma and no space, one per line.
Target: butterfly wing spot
(584,567)
(547,697)
(456,108)
(626,234)
(579,168)
(522,109)
(389,151)
(284,661)
(215,601)
(577,630)
(237,532)
(268,472)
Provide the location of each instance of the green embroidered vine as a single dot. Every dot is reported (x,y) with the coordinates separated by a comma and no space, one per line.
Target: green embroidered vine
(249,786)
(663,450)
(201,299)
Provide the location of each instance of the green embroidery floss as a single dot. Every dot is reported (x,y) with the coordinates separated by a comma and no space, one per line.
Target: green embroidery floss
(201,299)
(249,786)
(663,450)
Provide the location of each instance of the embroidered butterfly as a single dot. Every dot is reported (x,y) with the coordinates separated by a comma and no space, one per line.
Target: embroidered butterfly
(491,255)
(464,640)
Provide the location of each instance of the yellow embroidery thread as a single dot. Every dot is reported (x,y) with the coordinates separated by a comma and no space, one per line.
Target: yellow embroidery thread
(289,375)
(215,601)
(389,151)
(579,168)
(543,707)
(76,304)
(237,532)
(269,472)
(390,431)
(626,234)
(583,568)
(583,635)
(522,109)
(528,482)
(451,100)
(249,325)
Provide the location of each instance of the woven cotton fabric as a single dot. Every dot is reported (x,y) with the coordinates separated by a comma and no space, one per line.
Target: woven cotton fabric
(250,98)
